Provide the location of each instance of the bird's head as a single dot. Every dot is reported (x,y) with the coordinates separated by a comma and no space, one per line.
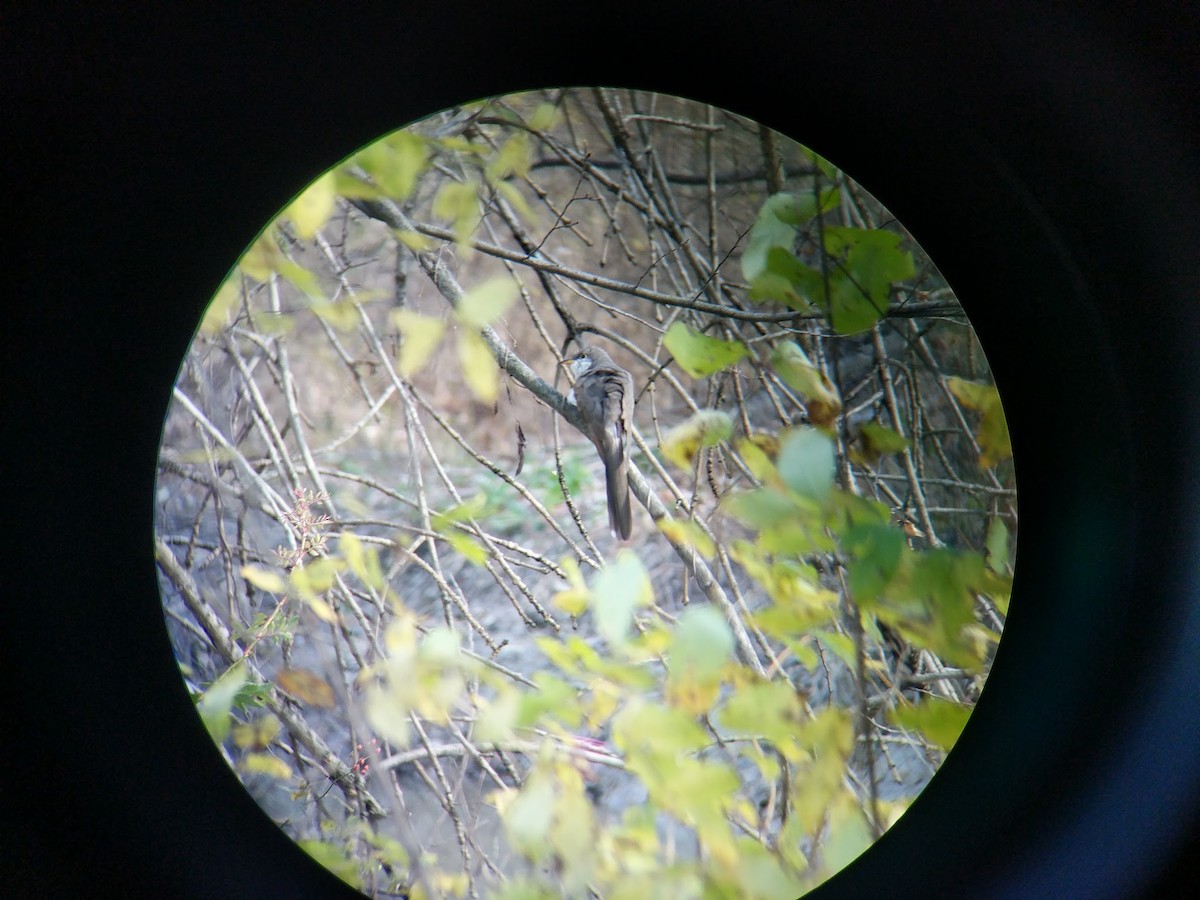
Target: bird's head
(582,361)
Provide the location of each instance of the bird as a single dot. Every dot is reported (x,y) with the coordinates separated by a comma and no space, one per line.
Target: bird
(603,394)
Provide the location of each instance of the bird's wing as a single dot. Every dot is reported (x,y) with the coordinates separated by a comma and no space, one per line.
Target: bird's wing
(618,406)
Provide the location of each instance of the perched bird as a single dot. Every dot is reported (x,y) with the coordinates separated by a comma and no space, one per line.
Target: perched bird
(604,397)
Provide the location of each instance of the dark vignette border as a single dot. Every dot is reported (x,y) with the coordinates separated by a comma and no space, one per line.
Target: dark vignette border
(1046,160)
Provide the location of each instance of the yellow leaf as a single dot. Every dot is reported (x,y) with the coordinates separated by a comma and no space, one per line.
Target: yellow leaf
(705,428)
(316,577)
(992,435)
(228,295)
(574,598)
(479,368)
(459,203)
(820,396)
(483,304)
(307,687)
(687,533)
(545,116)
(421,337)
(322,609)
(264,579)
(413,240)
(512,158)
(341,314)
(312,209)
(266,764)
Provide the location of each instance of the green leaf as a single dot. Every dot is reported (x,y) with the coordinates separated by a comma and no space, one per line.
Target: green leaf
(768,709)
(994,444)
(841,646)
(335,859)
(874,552)
(807,462)
(849,835)
(785,279)
(760,507)
(874,441)
(705,428)
(216,702)
(479,368)
(996,543)
(938,719)
(485,303)
(702,641)
(621,588)
(497,718)
(871,261)
(644,725)
(698,354)
(462,512)
(467,546)
(312,209)
(775,226)
(421,337)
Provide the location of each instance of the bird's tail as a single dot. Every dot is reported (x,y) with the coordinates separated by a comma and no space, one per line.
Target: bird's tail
(620,513)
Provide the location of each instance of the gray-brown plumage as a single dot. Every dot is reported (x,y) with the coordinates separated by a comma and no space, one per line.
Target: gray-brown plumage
(604,396)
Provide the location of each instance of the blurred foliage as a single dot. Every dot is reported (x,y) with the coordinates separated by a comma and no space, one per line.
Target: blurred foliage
(690,721)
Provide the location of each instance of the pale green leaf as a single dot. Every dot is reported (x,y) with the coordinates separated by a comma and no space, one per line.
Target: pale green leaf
(458,202)
(775,226)
(512,158)
(264,579)
(413,240)
(216,702)
(421,336)
(363,560)
(312,209)
(618,591)
(684,532)
(996,543)
(698,354)
(992,435)
(527,818)
(479,367)
(798,373)
(807,462)
(483,304)
(702,641)
(387,716)
(545,116)
(223,303)
(939,720)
